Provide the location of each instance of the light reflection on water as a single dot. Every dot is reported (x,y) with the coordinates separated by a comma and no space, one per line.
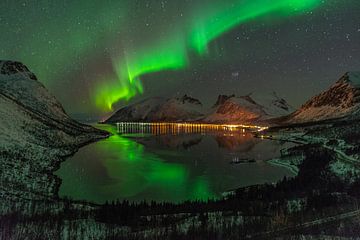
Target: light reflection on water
(168,165)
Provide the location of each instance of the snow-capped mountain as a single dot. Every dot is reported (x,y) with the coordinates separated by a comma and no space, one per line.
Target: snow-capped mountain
(160,109)
(243,109)
(36,134)
(340,100)
(248,109)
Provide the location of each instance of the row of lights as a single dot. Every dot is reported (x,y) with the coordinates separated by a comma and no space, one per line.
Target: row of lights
(228,127)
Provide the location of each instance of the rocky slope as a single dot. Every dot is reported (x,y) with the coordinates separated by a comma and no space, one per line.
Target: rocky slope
(248,109)
(342,99)
(36,135)
(160,109)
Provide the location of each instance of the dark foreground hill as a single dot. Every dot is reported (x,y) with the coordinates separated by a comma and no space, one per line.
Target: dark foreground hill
(36,135)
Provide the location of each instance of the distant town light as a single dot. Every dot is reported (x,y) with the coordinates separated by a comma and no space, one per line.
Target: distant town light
(171,127)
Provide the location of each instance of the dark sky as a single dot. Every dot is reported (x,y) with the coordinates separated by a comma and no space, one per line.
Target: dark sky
(92,53)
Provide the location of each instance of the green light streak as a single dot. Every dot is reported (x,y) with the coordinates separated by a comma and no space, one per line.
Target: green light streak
(217,22)
(111,92)
(169,55)
(209,23)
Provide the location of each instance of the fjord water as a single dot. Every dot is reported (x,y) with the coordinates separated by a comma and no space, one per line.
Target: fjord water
(160,165)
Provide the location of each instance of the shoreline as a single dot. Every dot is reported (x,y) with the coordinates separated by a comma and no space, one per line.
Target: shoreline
(278,162)
(64,158)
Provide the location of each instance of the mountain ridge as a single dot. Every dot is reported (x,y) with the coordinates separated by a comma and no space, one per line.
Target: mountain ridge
(160,109)
(341,99)
(227,108)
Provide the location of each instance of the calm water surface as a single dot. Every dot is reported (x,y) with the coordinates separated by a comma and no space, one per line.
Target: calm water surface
(164,165)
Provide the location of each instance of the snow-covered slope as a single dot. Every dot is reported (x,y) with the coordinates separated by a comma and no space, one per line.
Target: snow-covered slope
(248,109)
(138,111)
(36,134)
(160,109)
(18,83)
(273,105)
(340,100)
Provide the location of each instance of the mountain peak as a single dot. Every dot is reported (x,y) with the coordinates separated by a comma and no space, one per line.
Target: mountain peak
(13,67)
(341,99)
(187,99)
(248,108)
(352,78)
(155,109)
(222,98)
(19,83)
(248,98)
(344,93)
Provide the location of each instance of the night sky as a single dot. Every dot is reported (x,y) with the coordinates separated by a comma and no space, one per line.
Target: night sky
(94,55)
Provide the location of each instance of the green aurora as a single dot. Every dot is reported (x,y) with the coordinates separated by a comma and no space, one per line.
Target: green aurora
(172,53)
(168,55)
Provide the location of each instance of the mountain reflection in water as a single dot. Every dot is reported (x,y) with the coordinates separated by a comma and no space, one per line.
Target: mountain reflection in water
(168,164)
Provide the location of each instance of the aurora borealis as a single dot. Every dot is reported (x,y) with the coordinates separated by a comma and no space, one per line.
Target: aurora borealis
(220,20)
(131,68)
(172,53)
(95,56)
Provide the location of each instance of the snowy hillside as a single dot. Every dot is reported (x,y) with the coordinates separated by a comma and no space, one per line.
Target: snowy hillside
(247,109)
(160,109)
(340,100)
(18,83)
(273,105)
(35,135)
